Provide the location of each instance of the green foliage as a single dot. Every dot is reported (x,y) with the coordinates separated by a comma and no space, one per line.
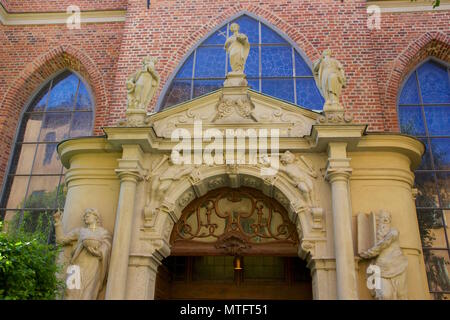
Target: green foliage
(28,268)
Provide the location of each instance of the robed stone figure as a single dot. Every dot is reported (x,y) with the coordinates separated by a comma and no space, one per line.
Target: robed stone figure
(91,247)
(389,258)
(142,85)
(238,49)
(330,79)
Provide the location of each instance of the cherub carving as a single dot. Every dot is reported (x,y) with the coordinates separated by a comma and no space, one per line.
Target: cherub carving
(160,180)
(300,177)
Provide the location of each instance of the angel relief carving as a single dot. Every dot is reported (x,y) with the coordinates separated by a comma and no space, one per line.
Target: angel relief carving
(300,173)
(166,171)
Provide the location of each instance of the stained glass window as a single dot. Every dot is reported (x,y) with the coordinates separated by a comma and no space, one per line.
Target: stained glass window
(273,67)
(62,109)
(424,112)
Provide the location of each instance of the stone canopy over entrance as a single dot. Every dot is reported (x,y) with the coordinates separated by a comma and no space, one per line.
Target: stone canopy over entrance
(331,175)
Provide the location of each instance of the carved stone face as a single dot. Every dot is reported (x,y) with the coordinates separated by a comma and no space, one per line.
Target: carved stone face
(327,53)
(174,157)
(384,217)
(383,224)
(287,157)
(90,218)
(148,63)
(234,27)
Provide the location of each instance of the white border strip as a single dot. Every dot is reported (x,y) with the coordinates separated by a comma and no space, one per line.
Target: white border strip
(17,19)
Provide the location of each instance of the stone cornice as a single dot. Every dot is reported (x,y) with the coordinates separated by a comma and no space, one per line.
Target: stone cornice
(46,18)
(408,6)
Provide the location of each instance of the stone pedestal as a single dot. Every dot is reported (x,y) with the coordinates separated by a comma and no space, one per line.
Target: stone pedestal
(235,79)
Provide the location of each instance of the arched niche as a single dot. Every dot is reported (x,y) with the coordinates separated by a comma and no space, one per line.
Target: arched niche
(228,221)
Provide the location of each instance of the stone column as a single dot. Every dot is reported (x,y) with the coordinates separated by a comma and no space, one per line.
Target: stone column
(129,173)
(338,174)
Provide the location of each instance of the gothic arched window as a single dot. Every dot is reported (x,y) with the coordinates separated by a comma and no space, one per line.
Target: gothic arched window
(424,112)
(62,109)
(273,67)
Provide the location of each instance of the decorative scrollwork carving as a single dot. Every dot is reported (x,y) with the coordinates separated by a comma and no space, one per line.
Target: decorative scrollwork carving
(245,213)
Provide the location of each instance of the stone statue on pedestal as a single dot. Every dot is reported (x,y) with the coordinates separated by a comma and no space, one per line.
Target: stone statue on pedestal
(330,79)
(238,48)
(142,85)
(90,254)
(390,259)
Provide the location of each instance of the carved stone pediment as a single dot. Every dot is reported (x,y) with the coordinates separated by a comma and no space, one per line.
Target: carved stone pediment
(235,108)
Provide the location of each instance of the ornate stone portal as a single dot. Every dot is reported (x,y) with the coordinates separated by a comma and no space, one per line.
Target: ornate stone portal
(327,171)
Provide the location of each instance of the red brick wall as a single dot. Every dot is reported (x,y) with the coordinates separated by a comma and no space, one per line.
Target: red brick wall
(61,5)
(375,61)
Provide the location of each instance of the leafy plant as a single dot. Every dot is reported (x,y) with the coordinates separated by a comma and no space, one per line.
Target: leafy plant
(28,267)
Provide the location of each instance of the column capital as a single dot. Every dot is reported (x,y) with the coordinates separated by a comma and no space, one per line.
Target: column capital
(129,175)
(336,174)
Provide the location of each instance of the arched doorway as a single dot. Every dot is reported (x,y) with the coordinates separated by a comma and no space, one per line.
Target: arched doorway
(234,244)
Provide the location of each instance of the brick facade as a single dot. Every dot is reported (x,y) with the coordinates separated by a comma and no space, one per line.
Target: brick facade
(375,61)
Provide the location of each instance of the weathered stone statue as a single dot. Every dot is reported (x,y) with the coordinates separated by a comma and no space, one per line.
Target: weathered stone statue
(142,85)
(238,49)
(91,253)
(161,180)
(298,176)
(330,79)
(390,260)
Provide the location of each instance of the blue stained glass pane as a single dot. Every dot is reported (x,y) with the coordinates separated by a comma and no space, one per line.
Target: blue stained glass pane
(411,121)
(308,95)
(210,62)
(301,68)
(84,101)
(410,94)
(63,93)
(276,61)
(434,83)
(441,153)
(426,158)
(217,37)
(202,87)
(81,124)
(179,91)
(186,69)
(40,100)
(438,120)
(270,36)
(253,84)
(280,88)
(249,27)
